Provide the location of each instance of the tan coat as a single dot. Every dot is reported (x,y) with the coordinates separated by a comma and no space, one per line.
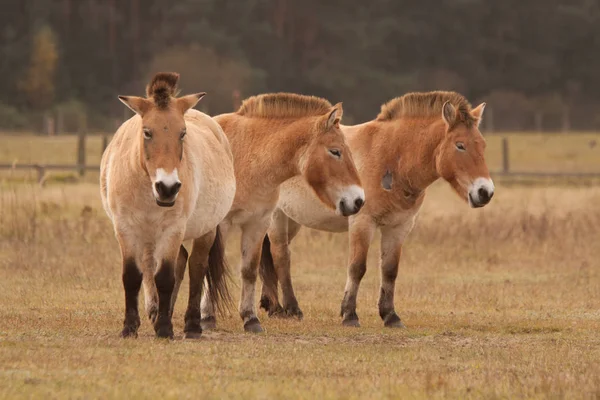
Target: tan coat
(415,140)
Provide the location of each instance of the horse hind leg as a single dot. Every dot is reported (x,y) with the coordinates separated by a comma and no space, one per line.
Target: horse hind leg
(182,259)
(197,271)
(269,299)
(150,294)
(282,259)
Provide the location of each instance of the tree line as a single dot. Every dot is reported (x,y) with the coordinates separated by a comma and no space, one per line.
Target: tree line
(535,62)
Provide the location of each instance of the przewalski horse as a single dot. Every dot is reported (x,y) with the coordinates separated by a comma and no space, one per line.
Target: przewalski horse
(415,140)
(167,176)
(275,137)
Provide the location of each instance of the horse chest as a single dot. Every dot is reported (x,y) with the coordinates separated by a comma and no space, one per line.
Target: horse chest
(397,207)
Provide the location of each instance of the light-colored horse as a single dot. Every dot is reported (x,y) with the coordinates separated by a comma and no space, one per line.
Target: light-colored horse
(275,137)
(167,176)
(415,140)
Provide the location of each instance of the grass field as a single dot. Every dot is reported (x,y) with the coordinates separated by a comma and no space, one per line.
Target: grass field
(501,302)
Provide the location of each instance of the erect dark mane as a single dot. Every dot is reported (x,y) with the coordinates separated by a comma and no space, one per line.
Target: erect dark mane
(283,105)
(162,87)
(426,104)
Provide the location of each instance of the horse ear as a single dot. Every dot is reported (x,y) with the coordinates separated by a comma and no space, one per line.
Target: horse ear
(138,105)
(335,116)
(186,102)
(449,113)
(477,112)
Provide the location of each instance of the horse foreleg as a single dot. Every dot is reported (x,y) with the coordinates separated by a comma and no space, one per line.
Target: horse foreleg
(166,253)
(391,250)
(361,231)
(132,281)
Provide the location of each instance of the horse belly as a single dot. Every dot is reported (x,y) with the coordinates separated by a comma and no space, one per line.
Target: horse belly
(212,206)
(298,201)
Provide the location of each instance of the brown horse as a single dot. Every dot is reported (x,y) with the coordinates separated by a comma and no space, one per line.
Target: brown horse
(167,176)
(415,140)
(275,137)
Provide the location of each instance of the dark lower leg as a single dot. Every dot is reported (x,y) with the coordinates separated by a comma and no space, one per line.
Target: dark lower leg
(269,299)
(356,271)
(132,281)
(197,271)
(165,281)
(361,233)
(281,258)
(390,258)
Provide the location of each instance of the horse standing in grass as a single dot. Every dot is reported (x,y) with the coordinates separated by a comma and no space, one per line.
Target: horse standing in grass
(275,137)
(415,140)
(167,176)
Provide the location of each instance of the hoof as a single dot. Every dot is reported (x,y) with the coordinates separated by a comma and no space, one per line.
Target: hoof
(294,312)
(129,332)
(393,321)
(153,314)
(208,323)
(253,326)
(192,335)
(277,312)
(265,304)
(164,332)
(351,323)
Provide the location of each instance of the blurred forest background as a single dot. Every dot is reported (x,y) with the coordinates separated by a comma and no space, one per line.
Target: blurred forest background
(536,62)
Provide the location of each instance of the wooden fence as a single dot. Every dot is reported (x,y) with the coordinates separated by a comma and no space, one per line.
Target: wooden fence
(81,167)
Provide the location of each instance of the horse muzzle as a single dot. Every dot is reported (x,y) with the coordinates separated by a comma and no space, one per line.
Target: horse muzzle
(481,192)
(351,201)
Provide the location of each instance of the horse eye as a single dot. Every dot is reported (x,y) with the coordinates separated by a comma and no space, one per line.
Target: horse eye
(147,134)
(183,132)
(336,153)
(460,146)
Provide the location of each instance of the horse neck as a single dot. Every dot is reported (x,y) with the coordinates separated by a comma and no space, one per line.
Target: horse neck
(412,147)
(285,149)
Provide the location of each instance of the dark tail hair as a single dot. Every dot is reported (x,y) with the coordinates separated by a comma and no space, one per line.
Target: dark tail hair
(267,266)
(218,275)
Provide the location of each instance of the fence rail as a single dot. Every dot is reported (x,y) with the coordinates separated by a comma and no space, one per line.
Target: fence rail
(81,166)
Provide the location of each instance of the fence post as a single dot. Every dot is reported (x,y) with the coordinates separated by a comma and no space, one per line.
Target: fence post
(505,161)
(81,152)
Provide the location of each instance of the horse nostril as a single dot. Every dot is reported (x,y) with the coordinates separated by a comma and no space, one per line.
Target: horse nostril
(160,188)
(165,191)
(358,203)
(484,196)
(176,188)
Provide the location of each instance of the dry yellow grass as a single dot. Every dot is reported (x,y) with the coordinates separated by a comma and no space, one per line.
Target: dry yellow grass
(502,302)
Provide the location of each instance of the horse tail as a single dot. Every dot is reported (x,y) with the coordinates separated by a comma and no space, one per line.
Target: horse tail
(218,275)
